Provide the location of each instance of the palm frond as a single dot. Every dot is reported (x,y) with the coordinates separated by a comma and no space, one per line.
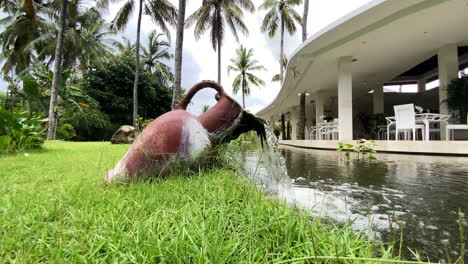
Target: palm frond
(122,17)
(236,84)
(163,13)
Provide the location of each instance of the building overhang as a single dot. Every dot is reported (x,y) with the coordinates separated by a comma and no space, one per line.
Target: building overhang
(385,37)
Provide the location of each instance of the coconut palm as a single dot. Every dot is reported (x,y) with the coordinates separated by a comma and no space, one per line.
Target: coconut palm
(213,16)
(304,20)
(280,14)
(245,64)
(162,12)
(86,37)
(53,113)
(153,55)
(124,46)
(24,22)
(178,52)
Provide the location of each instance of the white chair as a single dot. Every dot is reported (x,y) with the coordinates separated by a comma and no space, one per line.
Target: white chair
(405,121)
(334,130)
(450,128)
(313,132)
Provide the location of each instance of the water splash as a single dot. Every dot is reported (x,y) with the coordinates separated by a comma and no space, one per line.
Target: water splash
(267,168)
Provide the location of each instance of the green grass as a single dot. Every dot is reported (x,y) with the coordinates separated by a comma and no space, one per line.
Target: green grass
(54,208)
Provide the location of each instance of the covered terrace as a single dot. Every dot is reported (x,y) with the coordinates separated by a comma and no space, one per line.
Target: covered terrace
(383,54)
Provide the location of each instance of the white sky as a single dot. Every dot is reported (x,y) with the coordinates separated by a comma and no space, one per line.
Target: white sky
(200,60)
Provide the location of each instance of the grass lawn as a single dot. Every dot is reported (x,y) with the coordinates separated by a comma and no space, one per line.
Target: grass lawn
(54,208)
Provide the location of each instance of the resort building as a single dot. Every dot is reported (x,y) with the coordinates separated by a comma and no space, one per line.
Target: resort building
(355,71)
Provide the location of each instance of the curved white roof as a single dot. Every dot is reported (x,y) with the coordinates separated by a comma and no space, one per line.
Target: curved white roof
(386,37)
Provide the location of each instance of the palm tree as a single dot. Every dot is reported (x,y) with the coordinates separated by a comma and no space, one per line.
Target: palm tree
(304,20)
(158,50)
(179,51)
(125,46)
(280,11)
(213,15)
(85,37)
(245,64)
(162,12)
(23,24)
(57,73)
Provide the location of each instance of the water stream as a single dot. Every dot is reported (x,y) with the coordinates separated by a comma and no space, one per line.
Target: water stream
(420,195)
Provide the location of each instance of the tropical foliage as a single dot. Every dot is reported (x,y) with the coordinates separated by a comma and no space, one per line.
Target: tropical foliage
(90,96)
(245,64)
(155,55)
(19,130)
(109,85)
(86,37)
(214,16)
(24,23)
(28,50)
(162,12)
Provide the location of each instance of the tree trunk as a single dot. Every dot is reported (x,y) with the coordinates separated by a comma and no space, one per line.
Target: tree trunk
(243,90)
(304,20)
(56,81)
(178,52)
(283,128)
(219,62)
(302,117)
(137,68)
(282,51)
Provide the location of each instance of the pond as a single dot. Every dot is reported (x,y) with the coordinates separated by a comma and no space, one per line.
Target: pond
(417,196)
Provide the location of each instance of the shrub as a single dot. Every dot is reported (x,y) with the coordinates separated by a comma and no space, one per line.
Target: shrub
(66,132)
(457,97)
(20,130)
(110,85)
(2,101)
(90,124)
(142,124)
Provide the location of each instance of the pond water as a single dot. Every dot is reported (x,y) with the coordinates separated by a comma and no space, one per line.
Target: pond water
(419,195)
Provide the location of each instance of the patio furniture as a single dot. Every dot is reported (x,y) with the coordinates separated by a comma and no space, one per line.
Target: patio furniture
(425,118)
(405,121)
(322,131)
(328,130)
(381,131)
(313,132)
(451,129)
(334,130)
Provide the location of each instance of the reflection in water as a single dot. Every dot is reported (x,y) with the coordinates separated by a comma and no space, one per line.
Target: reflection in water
(420,195)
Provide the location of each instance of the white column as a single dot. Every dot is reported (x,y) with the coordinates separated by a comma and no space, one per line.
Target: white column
(294,120)
(345,98)
(319,102)
(379,100)
(448,70)
(421,86)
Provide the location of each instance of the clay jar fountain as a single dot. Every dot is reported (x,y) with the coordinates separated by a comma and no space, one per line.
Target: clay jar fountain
(180,136)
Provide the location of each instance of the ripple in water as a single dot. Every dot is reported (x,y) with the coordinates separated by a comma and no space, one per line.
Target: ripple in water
(418,195)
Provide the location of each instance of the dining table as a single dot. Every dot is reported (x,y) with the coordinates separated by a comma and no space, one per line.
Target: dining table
(422,118)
